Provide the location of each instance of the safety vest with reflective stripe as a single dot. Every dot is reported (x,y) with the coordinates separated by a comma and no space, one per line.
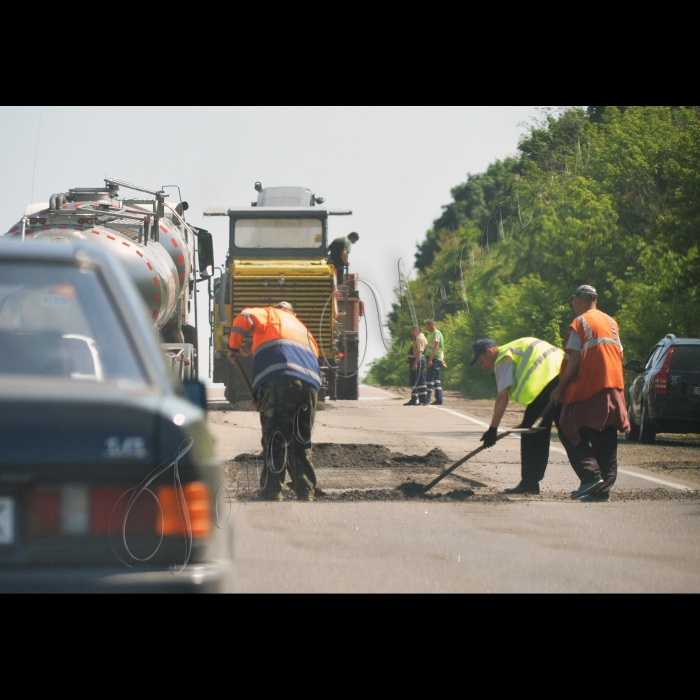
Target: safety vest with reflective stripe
(601,357)
(536,364)
(282,345)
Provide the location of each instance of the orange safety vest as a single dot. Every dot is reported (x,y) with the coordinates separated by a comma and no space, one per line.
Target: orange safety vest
(601,357)
(282,345)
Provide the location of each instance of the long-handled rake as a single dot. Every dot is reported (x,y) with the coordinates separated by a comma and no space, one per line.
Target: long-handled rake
(523,431)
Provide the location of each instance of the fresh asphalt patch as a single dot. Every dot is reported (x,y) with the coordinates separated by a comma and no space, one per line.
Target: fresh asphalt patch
(366,472)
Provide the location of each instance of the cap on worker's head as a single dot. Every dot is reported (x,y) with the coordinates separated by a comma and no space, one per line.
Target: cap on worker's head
(354,235)
(285,305)
(480,347)
(585,291)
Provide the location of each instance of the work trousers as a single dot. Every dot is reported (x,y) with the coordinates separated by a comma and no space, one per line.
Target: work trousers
(594,457)
(339,271)
(434,380)
(534,447)
(419,391)
(287,412)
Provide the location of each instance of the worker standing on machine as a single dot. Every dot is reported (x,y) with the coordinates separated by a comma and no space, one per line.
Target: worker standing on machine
(286,380)
(527,370)
(338,252)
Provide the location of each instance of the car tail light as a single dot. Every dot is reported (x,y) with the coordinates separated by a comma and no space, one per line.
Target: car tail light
(661,377)
(109,503)
(79,510)
(198,503)
(45,513)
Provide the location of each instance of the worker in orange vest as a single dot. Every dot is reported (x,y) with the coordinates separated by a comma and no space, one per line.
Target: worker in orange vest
(590,391)
(286,380)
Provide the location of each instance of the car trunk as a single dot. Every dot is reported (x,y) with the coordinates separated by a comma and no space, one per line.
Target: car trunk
(71,455)
(684,382)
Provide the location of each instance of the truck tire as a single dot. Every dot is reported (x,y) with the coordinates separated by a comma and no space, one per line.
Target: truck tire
(236,390)
(633,434)
(647,433)
(348,387)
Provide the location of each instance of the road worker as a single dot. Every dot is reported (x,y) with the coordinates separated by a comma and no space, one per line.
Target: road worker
(338,252)
(527,371)
(436,361)
(416,362)
(286,380)
(591,391)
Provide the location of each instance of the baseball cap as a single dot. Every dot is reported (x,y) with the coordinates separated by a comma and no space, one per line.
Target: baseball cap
(585,291)
(285,305)
(480,347)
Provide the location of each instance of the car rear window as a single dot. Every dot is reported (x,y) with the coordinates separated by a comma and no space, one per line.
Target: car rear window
(58,321)
(686,358)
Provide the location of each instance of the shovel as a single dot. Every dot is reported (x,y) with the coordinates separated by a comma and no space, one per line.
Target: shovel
(522,431)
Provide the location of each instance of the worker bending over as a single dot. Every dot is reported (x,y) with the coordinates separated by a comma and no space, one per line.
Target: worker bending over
(527,370)
(286,380)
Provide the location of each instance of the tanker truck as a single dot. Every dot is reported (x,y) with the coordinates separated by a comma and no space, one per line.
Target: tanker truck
(277,252)
(150,237)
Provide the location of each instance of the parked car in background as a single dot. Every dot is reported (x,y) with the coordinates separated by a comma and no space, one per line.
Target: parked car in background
(93,494)
(665,397)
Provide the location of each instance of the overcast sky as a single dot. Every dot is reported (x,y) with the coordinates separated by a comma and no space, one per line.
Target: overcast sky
(393,166)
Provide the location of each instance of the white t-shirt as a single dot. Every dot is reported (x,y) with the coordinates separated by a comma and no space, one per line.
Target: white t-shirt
(505,374)
(574,342)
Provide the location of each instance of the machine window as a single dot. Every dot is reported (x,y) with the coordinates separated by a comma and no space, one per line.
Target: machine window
(278,233)
(58,321)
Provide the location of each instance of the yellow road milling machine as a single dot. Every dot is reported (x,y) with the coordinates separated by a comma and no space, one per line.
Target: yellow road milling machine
(277,252)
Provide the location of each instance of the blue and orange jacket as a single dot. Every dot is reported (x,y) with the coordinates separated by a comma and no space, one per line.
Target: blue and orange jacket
(282,345)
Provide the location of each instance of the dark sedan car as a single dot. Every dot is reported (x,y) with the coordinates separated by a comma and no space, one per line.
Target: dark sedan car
(107,471)
(665,397)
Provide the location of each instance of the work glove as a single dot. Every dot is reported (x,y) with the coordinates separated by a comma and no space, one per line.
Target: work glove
(489,437)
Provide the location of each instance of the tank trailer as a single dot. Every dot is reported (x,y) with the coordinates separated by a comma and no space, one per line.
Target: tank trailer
(150,237)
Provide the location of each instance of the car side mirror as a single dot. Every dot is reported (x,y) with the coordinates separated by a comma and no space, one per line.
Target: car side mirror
(196,393)
(634,366)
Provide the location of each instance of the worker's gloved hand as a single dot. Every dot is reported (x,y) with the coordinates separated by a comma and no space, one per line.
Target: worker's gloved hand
(489,437)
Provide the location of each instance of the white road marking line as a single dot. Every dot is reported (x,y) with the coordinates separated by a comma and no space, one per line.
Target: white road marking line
(473,420)
(562,451)
(656,481)
(374,388)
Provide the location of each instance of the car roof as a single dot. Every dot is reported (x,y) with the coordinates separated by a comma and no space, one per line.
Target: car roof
(670,339)
(50,251)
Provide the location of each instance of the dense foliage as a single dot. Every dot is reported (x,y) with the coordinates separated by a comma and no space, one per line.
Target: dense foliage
(608,196)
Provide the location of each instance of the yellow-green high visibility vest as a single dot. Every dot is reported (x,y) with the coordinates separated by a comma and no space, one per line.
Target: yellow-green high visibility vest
(536,364)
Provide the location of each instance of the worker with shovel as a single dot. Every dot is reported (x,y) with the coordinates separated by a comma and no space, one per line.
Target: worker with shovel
(286,380)
(527,371)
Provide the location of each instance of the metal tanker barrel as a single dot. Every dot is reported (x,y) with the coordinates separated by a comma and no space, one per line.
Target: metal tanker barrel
(149,238)
(158,269)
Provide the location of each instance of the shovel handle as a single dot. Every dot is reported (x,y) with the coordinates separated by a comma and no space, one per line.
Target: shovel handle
(449,470)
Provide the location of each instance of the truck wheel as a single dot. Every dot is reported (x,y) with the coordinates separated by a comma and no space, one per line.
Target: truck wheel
(348,388)
(231,393)
(647,433)
(633,434)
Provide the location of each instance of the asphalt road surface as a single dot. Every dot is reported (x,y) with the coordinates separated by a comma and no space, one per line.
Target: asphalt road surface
(644,540)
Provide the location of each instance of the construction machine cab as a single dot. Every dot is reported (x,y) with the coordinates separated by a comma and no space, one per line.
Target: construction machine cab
(277,252)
